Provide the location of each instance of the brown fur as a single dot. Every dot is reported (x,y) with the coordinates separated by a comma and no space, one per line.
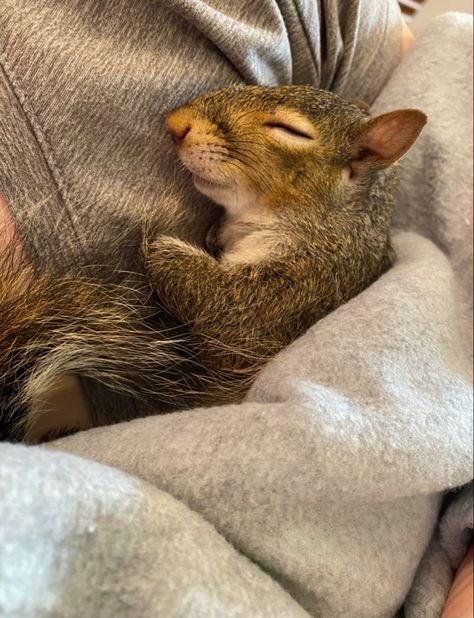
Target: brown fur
(212,321)
(107,335)
(332,231)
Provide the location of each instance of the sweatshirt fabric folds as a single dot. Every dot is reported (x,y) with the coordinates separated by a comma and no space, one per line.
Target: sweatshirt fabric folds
(85,87)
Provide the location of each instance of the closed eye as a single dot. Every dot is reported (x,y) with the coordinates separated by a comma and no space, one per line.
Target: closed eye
(288,130)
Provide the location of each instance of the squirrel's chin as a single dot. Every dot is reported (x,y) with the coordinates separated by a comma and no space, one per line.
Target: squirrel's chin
(201,181)
(216,191)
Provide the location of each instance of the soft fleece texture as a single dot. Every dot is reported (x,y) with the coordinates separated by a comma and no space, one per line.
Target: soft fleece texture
(330,476)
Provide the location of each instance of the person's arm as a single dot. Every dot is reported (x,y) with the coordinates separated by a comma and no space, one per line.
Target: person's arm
(6,226)
(459,603)
(408,37)
(11,248)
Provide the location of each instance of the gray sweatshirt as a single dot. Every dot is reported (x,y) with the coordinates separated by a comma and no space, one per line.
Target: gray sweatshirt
(85,86)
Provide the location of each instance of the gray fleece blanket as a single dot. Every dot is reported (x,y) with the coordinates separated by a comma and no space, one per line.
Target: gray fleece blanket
(319,495)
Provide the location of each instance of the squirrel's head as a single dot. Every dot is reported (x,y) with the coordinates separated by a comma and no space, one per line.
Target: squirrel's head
(256,145)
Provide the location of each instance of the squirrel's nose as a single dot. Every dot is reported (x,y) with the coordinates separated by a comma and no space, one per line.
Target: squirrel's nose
(178,135)
(178,127)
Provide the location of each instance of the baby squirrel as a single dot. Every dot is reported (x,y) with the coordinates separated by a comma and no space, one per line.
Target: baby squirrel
(306,183)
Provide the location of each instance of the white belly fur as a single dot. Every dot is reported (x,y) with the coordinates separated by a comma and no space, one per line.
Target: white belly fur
(248,240)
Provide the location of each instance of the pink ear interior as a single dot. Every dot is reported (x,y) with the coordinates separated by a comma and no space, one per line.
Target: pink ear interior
(386,138)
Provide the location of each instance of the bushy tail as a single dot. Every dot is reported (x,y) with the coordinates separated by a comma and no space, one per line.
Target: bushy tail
(132,357)
(106,334)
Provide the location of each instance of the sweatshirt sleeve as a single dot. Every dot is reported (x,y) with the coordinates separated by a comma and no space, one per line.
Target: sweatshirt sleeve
(372,35)
(354,44)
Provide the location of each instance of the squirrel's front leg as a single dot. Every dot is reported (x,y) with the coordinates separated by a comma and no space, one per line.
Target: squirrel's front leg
(184,277)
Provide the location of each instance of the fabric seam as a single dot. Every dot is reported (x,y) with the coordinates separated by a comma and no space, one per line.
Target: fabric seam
(38,134)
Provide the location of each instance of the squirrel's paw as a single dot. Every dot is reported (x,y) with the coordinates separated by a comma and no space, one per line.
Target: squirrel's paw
(163,247)
(213,245)
(167,255)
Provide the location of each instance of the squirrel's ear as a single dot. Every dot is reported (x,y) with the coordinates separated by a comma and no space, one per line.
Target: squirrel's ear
(383,140)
